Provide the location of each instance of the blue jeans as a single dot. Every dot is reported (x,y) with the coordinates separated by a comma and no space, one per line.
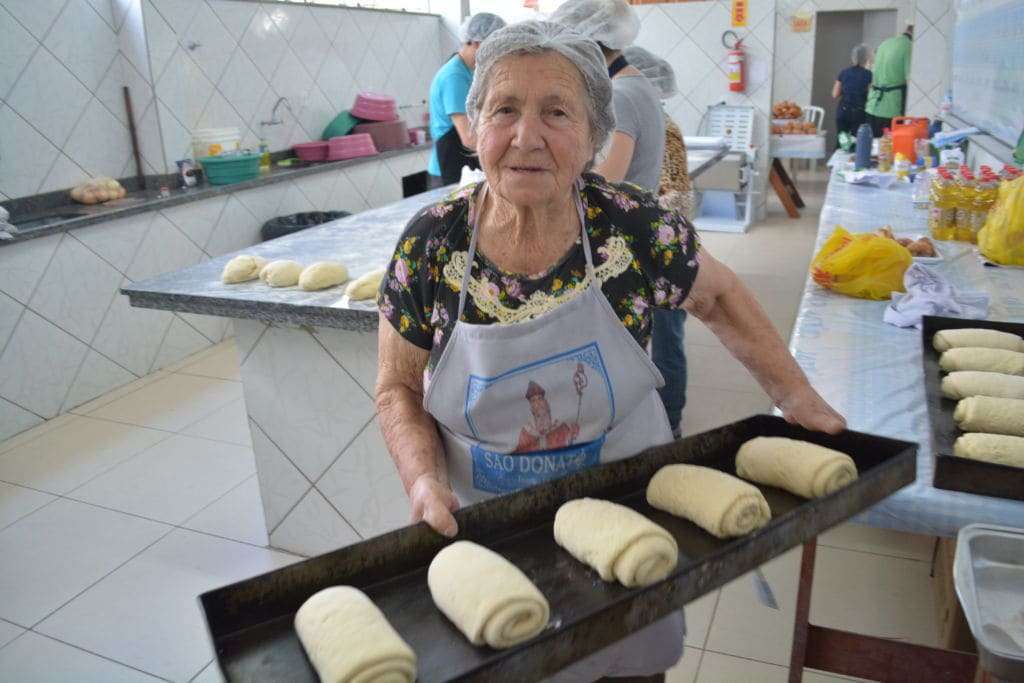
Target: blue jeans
(668,354)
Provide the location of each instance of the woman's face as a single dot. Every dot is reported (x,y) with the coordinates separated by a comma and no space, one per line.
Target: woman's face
(533,133)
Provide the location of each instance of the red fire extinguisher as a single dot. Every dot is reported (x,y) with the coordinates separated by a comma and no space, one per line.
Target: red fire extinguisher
(735,65)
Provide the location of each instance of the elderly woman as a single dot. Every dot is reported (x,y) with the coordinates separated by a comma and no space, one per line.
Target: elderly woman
(851,89)
(515,314)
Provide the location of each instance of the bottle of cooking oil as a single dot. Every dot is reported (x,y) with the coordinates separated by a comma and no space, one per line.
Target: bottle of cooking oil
(986,192)
(885,151)
(942,212)
(963,200)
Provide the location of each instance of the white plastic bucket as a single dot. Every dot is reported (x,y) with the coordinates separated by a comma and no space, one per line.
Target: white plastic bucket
(211,142)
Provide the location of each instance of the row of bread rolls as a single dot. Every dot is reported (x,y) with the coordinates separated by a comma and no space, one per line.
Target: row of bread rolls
(492,602)
(311,278)
(986,378)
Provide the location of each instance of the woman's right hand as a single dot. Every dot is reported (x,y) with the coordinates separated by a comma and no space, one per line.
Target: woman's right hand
(434,502)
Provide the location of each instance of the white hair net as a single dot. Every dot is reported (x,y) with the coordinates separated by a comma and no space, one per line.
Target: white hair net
(477,27)
(612,23)
(538,37)
(859,55)
(657,70)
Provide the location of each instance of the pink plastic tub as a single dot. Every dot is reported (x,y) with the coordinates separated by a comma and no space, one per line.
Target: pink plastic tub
(375,107)
(350,147)
(311,151)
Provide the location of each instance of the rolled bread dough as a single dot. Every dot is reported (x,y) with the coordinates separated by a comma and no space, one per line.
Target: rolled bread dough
(487,597)
(966,383)
(282,273)
(349,640)
(321,275)
(997,448)
(365,286)
(805,469)
(982,360)
(990,415)
(618,542)
(242,268)
(719,503)
(943,340)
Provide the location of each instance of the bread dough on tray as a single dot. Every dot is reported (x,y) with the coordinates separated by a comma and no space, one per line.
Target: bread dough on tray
(321,275)
(943,340)
(800,467)
(282,273)
(617,541)
(997,448)
(990,415)
(349,640)
(967,383)
(242,268)
(721,504)
(487,597)
(983,360)
(365,286)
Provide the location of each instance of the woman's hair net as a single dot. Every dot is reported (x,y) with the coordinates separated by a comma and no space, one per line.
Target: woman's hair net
(477,27)
(612,23)
(538,37)
(657,70)
(859,55)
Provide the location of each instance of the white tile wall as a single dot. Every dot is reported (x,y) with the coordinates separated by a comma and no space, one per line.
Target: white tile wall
(67,335)
(248,55)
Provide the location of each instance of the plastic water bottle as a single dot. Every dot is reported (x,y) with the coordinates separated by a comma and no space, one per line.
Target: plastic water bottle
(863,147)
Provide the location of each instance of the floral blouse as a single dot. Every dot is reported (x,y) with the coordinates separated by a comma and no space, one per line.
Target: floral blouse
(644,257)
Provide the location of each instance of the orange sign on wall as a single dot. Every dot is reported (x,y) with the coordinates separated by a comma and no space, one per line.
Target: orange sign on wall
(802,22)
(739,13)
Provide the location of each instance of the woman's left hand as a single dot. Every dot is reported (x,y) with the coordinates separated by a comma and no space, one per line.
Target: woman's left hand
(806,408)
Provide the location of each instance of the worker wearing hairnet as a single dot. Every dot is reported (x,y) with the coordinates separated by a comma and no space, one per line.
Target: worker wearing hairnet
(449,126)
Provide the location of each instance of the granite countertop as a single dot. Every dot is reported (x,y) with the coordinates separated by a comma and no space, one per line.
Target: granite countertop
(363,242)
(150,200)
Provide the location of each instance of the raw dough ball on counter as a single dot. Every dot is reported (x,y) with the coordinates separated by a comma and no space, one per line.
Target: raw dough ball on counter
(349,640)
(322,274)
(242,268)
(717,502)
(982,360)
(487,597)
(966,383)
(805,469)
(997,448)
(365,286)
(281,273)
(944,340)
(617,541)
(990,415)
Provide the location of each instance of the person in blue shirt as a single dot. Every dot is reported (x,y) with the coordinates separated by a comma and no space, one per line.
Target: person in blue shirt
(449,127)
(851,89)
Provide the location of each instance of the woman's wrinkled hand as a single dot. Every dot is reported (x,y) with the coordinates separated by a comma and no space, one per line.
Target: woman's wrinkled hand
(809,410)
(434,502)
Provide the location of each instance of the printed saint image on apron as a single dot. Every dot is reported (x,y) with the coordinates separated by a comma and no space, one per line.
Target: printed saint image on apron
(561,407)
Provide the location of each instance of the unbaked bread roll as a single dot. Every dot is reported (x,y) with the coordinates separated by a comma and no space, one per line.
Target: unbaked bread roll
(487,597)
(982,360)
(620,543)
(242,268)
(997,448)
(943,340)
(990,415)
(282,273)
(805,469)
(719,503)
(321,275)
(365,286)
(349,640)
(966,383)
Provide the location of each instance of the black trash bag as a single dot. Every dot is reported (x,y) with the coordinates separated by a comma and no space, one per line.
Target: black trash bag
(286,225)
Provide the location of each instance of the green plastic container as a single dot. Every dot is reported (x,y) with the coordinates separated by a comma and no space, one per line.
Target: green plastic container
(342,124)
(231,168)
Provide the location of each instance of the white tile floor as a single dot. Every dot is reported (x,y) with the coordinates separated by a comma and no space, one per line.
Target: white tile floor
(113,519)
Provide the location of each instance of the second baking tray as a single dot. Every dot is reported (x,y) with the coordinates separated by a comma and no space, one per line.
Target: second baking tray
(250,622)
(953,473)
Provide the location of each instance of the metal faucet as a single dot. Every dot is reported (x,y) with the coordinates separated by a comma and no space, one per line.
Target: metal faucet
(274,120)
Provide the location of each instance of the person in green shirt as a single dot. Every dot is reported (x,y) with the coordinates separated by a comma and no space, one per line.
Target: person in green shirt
(888,95)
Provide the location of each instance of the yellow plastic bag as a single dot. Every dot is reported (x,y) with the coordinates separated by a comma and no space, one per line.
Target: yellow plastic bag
(1002,238)
(863,265)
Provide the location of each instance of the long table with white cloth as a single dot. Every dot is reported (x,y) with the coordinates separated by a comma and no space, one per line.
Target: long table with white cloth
(871,371)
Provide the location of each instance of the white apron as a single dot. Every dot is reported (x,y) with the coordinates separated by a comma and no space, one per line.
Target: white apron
(523,403)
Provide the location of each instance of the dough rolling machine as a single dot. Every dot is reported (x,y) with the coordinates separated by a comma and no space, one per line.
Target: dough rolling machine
(250,622)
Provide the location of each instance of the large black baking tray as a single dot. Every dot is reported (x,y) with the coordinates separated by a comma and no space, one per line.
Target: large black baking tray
(953,473)
(250,622)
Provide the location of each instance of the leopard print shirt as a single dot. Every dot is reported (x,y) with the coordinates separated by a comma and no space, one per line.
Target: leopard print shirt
(674,190)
